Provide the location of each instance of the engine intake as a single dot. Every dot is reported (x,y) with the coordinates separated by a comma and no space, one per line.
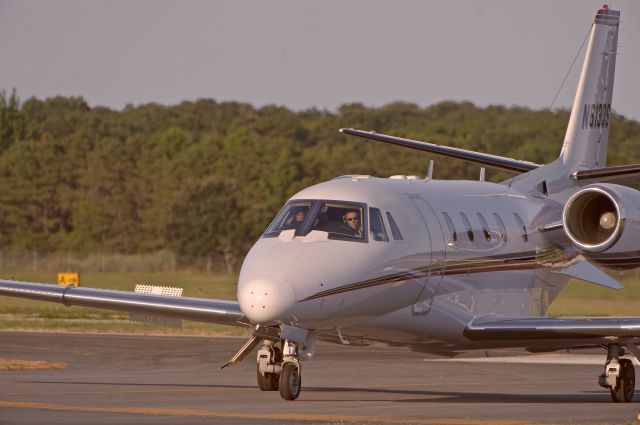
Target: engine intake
(602,221)
(593,219)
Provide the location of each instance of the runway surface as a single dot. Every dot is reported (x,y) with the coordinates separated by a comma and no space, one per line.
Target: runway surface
(128,379)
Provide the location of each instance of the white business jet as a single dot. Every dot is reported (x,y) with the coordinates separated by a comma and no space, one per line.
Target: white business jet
(437,266)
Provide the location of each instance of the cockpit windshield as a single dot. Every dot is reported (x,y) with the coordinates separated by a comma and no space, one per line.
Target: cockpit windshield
(341,220)
(292,216)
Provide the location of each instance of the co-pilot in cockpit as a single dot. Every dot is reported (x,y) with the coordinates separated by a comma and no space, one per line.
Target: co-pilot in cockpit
(295,218)
(341,220)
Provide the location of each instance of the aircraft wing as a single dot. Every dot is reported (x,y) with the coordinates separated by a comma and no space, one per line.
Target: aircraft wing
(471,156)
(198,309)
(621,174)
(595,329)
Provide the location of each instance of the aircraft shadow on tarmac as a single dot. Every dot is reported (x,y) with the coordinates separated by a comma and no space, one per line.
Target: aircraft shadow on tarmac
(434,395)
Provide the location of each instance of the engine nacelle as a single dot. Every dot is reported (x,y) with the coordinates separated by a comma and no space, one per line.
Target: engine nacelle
(603,222)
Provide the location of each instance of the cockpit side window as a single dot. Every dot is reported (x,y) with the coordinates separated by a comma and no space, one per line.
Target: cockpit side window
(376,226)
(395,230)
(292,216)
(341,220)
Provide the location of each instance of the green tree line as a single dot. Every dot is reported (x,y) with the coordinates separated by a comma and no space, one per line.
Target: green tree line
(205,178)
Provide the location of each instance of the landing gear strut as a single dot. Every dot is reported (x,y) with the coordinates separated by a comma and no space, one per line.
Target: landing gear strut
(279,369)
(618,375)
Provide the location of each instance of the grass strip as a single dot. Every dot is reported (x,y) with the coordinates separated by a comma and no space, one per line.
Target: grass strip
(20,364)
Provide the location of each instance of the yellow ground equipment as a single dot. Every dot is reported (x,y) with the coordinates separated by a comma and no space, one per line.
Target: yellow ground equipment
(66,279)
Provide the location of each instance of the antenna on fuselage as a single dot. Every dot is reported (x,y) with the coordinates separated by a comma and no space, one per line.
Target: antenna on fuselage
(429,170)
(481,174)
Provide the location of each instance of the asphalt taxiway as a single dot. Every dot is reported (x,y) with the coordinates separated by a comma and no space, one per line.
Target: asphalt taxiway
(165,379)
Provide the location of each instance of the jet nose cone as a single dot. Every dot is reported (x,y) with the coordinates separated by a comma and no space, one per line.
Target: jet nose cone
(266,300)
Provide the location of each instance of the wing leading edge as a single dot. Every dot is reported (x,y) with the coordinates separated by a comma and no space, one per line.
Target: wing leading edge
(495,161)
(198,309)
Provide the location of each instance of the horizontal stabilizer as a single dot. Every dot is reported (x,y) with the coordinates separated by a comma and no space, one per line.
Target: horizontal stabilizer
(471,156)
(551,328)
(586,271)
(621,174)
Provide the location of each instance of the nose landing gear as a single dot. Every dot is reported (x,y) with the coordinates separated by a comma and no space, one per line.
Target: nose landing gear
(618,375)
(279,369)
(268,371)
(290,381)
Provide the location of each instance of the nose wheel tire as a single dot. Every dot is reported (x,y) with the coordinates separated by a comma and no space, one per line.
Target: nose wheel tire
(290,381)
(268,381)
(626,384)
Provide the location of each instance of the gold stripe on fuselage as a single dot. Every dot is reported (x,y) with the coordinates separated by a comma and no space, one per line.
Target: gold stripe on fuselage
(519,261)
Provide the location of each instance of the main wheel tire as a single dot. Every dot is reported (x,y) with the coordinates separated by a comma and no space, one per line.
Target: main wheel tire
(626,383)
(290,382)
(267,381)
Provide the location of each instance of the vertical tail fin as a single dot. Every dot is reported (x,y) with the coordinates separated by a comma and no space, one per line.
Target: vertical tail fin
(585,143)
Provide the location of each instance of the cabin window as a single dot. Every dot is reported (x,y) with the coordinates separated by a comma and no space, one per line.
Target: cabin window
(395,230)
(485,227)
(521,225)
(501,226)
(452,229)
(292,216)
(376,226)
(467,224)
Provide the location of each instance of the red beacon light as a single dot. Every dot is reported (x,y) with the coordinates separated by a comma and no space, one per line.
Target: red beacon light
(605,7)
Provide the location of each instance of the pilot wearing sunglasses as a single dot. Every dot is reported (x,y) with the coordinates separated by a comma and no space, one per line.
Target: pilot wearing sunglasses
(352,220)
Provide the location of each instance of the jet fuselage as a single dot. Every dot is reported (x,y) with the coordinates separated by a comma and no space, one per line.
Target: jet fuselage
(426,281)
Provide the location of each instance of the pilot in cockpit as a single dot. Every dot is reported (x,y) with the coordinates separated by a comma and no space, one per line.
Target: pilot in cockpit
(352,220)
(296,220)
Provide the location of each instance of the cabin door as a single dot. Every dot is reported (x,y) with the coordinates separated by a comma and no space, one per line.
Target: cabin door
(434,256)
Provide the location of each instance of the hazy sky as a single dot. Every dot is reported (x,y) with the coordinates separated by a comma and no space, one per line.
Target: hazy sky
(304,54)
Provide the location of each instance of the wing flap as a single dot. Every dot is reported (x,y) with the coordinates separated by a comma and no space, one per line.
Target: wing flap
(471,156)
(552,328)
(198,309)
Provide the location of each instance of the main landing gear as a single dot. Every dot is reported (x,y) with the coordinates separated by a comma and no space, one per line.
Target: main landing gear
(278,369)
(618,375)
